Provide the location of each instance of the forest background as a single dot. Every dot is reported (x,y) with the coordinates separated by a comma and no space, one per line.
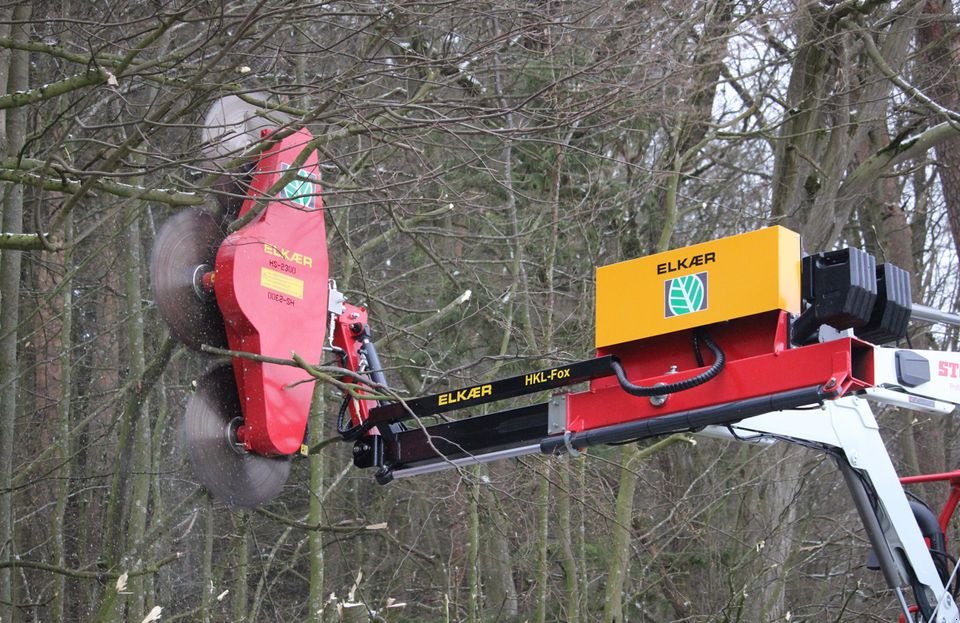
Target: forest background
(501,148)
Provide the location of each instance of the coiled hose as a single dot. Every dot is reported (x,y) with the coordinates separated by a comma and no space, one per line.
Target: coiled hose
(679,386)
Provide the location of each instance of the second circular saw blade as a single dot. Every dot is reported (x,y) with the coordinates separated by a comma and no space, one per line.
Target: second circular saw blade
(184,249)
(231,474)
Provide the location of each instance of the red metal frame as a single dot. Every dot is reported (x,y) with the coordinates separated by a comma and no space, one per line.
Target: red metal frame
(271,282)
(950,506)
(946,512)
(759,363)
(349,332)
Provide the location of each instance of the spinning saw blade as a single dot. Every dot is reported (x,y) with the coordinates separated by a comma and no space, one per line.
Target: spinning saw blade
(230,126)
(230,473)
(185,249)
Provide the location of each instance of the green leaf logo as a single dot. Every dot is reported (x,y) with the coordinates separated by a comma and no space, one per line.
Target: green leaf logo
(301,190)
(685,295)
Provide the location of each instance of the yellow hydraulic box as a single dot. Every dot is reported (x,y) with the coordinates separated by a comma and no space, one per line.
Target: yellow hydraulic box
(698,285)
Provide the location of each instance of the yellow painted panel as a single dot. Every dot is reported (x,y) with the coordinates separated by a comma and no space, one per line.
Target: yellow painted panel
(698,285)
(284,284)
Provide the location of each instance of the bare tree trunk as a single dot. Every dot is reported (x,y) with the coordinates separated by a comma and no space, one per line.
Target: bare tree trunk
(543,542)
(942,82)
(568,558)
(241,550)
(833,106)
(14,76)
(129,492)
(474,592)
(581,539)
(620,553)
(692,121)
(140,467)
(206,570)
(778,508)
(64,455)
(618,565)
(885,219)
(317,494)
(499,592)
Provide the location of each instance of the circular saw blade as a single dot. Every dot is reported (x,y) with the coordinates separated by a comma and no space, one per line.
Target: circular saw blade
(232,124)
(231,474)
(185,248)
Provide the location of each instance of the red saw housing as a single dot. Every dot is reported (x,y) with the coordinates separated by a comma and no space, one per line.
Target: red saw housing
(271,283)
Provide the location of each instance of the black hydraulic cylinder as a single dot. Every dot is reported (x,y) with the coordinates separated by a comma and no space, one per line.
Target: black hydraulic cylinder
(692,420)
(467,437)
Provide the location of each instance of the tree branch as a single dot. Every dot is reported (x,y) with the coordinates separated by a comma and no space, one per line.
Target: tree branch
(890,74)
(55,89)
(21,242)
(891,155)
(44,175)
(89,575)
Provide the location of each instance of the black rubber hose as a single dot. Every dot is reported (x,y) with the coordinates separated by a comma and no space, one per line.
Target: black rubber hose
(679,386)
(930,529)
(347,432)
(375,368)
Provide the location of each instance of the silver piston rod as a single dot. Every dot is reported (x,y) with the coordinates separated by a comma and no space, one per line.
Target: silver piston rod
(934,315)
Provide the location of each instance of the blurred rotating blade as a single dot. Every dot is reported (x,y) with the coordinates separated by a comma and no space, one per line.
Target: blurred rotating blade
(230,126)
(185,249)
(231,474)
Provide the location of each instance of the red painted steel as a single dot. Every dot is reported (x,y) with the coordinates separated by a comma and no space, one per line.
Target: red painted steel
(271,282)
(758,363)
(950,506)
(348,336)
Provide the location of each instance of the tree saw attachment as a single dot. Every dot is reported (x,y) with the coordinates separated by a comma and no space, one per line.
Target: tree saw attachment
(741,337)
(260,291)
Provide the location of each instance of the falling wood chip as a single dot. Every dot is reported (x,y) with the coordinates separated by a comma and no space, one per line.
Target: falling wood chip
(353,589)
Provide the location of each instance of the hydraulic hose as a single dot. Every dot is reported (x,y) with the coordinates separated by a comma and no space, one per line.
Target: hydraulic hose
(679,386)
